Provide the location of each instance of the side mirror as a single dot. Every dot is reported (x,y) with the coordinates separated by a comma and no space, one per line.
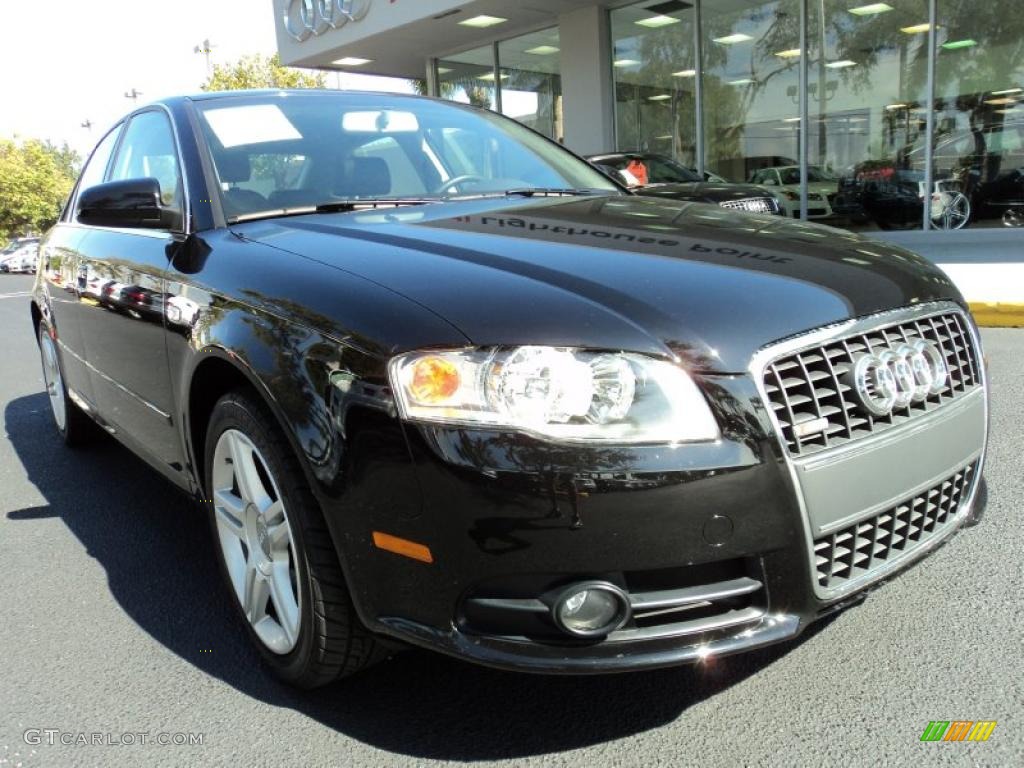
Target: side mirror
(131,203)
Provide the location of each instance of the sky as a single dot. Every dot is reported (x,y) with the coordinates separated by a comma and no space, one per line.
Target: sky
(74,62)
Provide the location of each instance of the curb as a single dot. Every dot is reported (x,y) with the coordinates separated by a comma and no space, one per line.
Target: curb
(998,314)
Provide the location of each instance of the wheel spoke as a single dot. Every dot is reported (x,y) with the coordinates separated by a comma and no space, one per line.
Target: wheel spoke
(279,538)
(280,584)
(230,512)
(257,592)
(250,486)
(274,513)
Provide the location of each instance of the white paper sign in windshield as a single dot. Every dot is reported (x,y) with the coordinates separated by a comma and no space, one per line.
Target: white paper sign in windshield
(251,124)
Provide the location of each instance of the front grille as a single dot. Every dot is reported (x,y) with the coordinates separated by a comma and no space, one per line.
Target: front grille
(868,545)
(809,386)
(751,205)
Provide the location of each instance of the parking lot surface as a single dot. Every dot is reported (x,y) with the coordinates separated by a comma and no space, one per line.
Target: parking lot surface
(114,622)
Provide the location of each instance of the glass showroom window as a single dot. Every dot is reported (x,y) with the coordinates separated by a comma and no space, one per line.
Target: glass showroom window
(751,97)
(531,81)
(868,108)
(978,160)
(654,66)
(469,78)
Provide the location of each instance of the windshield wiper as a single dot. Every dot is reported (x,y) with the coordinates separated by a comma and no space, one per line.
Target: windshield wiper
(334,206)
(385,202)
(530,192)
(552,192)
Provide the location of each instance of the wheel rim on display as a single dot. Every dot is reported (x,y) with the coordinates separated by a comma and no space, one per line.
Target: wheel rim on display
(256,540)
(53,380)
(1014,217)
(956,213)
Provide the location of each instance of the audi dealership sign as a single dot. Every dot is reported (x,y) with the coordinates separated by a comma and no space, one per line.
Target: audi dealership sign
(303,19)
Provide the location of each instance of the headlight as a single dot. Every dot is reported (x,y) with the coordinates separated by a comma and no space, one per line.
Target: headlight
(554,392)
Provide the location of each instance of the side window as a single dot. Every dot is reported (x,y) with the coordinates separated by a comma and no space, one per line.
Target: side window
(95,169)
(148,151)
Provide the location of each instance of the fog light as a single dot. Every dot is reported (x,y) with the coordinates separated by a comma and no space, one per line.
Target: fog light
(591,610)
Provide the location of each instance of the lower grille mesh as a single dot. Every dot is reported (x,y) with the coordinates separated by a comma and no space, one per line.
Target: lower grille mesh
(866,546)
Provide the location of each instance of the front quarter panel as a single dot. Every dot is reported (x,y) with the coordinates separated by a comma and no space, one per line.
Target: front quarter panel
(314,343)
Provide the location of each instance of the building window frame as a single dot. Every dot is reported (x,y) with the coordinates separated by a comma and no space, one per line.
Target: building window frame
(804,106)
(434,80)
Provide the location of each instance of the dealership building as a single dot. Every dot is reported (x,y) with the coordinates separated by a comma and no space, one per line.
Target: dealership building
(852,109)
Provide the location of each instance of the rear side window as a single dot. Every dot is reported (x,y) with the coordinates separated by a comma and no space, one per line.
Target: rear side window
(96,168)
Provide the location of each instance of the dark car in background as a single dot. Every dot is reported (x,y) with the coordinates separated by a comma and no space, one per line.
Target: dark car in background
(667,178)
(978,177)
(438,382)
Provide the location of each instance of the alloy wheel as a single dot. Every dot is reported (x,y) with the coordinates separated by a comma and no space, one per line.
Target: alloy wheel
(256,540)
(956,212)
(53,380)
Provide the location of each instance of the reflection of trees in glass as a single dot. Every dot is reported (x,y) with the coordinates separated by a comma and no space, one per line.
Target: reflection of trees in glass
(450,88)
(729,100)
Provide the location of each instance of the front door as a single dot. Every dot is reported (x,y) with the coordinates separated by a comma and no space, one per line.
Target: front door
(126,269)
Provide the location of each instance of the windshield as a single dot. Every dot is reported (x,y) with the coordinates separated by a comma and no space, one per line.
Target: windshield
(662,170)
(659,169)
(298,150)
(14,245)
(814,173)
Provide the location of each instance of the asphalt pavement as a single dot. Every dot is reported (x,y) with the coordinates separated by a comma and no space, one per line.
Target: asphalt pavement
(114,630)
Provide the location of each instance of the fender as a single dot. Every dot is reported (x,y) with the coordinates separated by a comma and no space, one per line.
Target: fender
(327,395)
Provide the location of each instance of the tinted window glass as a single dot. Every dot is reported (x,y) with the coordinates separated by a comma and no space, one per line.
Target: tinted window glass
(663,172)
(148,151)
(368,147)
(95,169)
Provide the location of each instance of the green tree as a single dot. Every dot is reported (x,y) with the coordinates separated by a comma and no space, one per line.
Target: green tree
(36,178)
(261,72)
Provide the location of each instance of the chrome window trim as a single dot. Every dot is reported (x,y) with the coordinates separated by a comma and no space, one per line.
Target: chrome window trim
(818,337)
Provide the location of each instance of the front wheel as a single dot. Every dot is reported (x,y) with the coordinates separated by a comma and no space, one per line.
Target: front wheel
(275,552)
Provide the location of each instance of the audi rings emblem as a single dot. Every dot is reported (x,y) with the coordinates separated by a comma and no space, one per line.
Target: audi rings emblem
(303,19)
(896,377)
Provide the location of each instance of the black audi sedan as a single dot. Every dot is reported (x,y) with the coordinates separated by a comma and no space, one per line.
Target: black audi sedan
(664,177)
(439,382)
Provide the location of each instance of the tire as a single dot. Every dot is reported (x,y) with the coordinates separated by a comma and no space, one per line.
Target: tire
(75,427)
(305,626)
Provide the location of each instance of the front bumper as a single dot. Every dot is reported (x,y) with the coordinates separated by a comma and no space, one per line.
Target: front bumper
(508,518)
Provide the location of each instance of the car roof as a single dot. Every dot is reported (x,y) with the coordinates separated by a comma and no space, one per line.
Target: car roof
(286,92)
(621,155)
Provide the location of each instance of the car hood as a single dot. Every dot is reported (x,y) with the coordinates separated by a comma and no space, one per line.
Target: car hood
(625,273)
(708,191)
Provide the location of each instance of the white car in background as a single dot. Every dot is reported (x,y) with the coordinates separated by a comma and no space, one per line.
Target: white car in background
(24,257)
(821,189)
